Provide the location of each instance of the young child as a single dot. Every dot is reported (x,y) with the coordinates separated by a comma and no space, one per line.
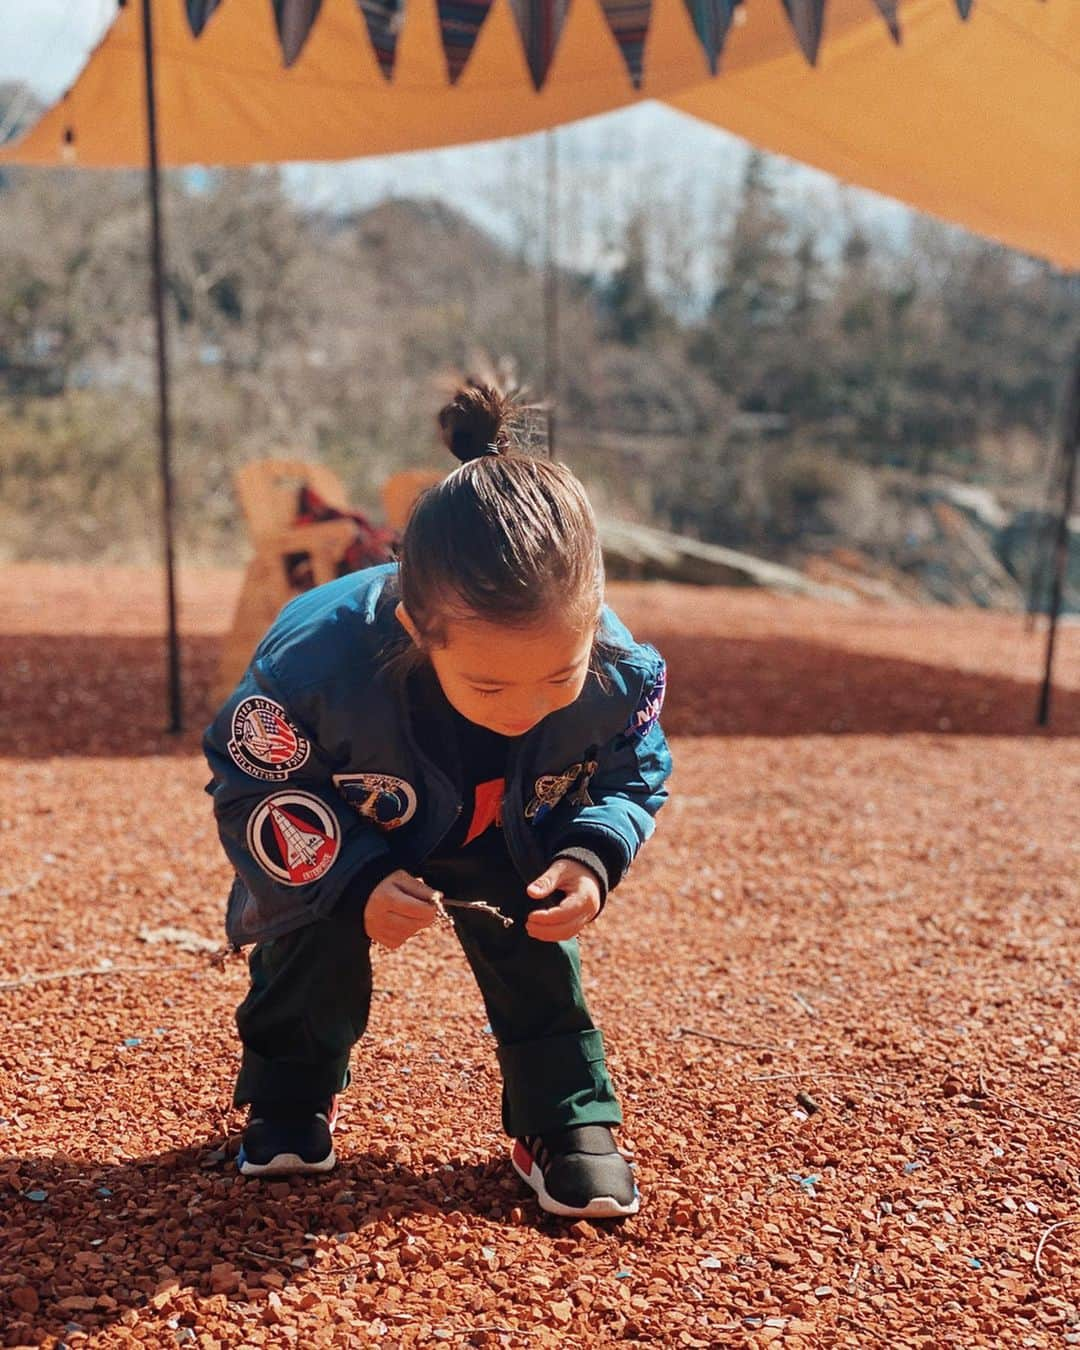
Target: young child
(471,722)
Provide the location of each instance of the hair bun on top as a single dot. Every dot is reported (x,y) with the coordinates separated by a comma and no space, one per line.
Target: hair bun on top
(474,423)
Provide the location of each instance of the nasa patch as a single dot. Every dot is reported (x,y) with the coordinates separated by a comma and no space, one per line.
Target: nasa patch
(386,801)
(294,837)
(264,742)
(647,713)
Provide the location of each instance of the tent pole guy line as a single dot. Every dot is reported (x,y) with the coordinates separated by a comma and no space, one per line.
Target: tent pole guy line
(176,716)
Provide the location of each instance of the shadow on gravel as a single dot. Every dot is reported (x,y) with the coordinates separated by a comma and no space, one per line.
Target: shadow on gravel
(84,1241)
(791,687)
(105,696)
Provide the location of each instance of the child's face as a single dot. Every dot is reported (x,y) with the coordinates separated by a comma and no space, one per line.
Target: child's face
(509,679)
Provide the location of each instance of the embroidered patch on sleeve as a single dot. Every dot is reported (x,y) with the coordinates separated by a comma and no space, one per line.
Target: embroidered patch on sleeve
(647,713)
(386,801)
(294,837)
(264,743)
(549,790)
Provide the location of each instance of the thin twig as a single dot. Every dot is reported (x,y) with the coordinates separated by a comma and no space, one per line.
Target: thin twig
(1031,1111)
(872,1076)
(725,1040)
(51,976)
(863,1076)
(278,1260)
(1061,1223)
(800,1073)
(806,1007)
(443,902)
(309,1269)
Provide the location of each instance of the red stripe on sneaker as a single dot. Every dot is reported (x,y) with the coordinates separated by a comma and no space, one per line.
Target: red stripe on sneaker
(522,1156)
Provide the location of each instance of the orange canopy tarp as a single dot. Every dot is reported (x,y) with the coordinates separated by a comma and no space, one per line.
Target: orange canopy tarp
(977,123)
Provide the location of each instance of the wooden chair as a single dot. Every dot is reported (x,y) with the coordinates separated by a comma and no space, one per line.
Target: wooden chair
(269,492)
(402,489)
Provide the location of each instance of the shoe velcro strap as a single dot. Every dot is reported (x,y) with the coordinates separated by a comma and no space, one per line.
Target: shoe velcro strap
(592,1139)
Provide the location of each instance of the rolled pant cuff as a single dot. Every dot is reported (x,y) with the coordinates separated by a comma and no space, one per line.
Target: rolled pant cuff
(557,1081)
(282,1080)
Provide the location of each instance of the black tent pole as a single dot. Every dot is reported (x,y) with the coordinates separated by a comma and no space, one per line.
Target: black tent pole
(176,719)
(1042,546)
(1070,452)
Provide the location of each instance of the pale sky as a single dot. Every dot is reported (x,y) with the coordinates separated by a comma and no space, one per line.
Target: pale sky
(45,42)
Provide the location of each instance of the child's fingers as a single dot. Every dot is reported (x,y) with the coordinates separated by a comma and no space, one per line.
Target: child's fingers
(415,913)
(563,921)
(547,881)
(395,910)
(413,886)
(563,933)
(574,905)
(392,930)
(561,913)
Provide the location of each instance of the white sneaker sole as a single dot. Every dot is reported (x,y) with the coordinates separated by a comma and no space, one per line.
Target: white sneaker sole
(286,1164)
(289,1164)
(599,1207)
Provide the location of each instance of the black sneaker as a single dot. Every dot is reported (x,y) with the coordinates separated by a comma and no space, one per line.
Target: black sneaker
(280,1139)
(577,1172)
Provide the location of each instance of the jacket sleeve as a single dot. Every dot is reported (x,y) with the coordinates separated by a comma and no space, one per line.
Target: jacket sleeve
(297,846)
(617,803)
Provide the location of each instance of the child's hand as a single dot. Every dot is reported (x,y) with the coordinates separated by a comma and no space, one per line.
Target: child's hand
(579,906)
(397,909)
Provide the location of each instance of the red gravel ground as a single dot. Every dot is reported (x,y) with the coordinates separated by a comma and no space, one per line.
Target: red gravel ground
(862,898)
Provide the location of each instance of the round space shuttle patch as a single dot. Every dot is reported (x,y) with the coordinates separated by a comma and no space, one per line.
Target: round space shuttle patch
(294,837)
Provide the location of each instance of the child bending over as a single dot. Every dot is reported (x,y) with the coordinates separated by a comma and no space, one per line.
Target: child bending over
(472,716)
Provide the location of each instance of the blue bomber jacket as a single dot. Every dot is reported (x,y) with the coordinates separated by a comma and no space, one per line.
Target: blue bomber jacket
(317,775)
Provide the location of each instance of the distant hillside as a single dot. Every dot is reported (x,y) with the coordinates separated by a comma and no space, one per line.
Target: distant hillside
(419,249)
(19,109)
(809,409)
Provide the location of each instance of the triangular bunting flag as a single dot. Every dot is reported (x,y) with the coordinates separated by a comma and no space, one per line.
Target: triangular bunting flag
(887,9)
(807,18)
(629,23)
(712,19)
(294,19)
(198,12)
(460,22)
(964,6)
(541,24)
(384,19)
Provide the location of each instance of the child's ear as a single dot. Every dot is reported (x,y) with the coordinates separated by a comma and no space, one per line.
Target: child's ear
(405,619)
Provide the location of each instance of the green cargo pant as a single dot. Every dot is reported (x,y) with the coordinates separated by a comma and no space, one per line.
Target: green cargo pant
(311,993)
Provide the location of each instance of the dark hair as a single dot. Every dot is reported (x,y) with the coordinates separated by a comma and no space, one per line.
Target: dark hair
(507,538)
